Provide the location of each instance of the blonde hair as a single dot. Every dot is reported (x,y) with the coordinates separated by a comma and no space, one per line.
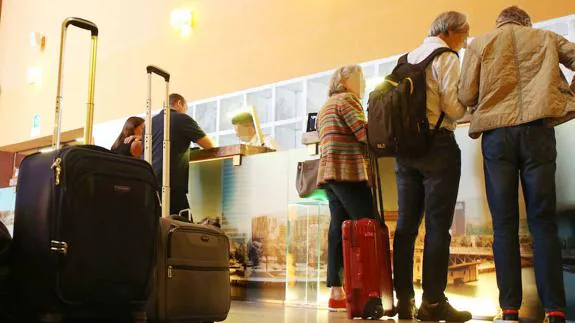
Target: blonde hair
(342,74)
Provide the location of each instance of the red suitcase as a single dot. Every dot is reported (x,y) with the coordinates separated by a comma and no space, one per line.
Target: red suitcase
(367,265)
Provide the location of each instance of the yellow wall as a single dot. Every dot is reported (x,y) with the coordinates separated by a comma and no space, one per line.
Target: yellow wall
(237,44)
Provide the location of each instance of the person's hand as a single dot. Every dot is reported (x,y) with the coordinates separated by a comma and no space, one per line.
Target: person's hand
(131,138)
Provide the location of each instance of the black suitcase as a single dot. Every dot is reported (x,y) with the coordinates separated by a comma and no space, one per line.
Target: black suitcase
(192,277)
(85,226)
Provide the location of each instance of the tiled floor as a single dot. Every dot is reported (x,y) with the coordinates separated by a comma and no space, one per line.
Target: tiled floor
(242,312)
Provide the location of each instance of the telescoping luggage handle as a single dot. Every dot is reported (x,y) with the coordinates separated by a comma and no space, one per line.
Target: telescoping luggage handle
(375,179)
(148,137)
(88,25)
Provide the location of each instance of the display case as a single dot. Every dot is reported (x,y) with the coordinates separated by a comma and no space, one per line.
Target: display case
(306,256)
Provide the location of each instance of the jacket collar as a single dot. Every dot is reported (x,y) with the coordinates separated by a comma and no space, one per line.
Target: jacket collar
(434,40)
(506,22)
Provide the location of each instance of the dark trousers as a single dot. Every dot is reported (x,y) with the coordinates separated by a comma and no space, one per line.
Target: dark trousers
(526,151)
(426,185)
(347,201)
(178,201)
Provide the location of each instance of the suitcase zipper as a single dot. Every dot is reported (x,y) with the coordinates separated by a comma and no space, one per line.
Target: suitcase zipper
(194,268)
(57,165)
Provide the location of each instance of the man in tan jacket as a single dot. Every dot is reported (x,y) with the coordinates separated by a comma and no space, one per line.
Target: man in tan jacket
(512,82)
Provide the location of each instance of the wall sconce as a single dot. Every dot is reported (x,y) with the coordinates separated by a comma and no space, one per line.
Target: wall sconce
(34,76)
(37,40)
(182,20)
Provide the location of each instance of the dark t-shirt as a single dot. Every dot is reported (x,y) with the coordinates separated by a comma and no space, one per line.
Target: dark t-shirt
(123,149)
(184,131)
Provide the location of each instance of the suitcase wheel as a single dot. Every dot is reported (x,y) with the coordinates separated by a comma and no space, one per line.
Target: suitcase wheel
(373,309)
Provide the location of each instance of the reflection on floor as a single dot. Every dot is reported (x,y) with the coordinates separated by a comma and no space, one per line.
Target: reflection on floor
(243,312)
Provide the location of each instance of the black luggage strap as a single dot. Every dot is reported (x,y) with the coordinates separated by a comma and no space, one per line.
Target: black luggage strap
(375,180)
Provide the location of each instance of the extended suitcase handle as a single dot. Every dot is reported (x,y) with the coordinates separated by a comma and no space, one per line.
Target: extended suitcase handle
(89,125)
(156,70)
(82,23)
(148,135)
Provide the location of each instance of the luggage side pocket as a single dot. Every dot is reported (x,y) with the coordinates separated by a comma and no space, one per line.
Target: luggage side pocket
(197,290)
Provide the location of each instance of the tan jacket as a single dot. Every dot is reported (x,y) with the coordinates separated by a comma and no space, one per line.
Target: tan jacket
(511,76)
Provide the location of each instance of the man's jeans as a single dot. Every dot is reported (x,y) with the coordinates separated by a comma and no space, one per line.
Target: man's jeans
(527,151)
(428,184)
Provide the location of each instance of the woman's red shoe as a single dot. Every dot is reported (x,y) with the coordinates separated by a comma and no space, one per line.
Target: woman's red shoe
(337,304)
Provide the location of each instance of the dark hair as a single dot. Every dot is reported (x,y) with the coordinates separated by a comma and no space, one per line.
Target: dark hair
(243,118)
(129,126)
(174,98)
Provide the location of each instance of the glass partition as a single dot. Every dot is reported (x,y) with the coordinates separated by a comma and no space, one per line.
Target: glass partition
(7,203)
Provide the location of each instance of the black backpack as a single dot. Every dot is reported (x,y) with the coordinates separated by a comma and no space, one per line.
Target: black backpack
(397,123)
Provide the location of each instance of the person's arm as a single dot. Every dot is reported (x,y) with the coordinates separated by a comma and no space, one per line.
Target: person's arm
(470,77)
(206,142)
(566,51)
(193,133)
(352,112)
(136,148)
(448,75)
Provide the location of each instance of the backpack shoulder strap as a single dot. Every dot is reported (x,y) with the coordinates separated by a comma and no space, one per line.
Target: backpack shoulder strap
(434,54)
(426,62)
(402,59)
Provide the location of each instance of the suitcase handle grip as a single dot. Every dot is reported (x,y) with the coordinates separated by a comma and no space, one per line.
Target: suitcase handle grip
(83,24)
(156,70)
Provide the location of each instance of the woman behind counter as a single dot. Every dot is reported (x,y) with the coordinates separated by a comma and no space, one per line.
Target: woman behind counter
(129,142)
(343,167)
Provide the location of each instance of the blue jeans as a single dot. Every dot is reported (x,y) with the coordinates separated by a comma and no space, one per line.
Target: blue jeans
(426,185)
(528,152)
(347,201)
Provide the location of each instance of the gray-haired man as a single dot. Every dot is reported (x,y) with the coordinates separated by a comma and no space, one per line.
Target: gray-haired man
(429,184)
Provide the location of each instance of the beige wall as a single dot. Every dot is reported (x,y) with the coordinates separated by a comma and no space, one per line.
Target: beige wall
(236,45)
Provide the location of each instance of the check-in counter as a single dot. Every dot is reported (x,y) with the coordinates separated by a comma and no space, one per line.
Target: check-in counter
(279,241)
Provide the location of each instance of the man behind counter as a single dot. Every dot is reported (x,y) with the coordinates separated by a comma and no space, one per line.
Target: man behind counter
(183,131)
(243,123)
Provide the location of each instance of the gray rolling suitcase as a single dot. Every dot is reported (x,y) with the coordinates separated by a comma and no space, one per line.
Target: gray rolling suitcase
(192,279)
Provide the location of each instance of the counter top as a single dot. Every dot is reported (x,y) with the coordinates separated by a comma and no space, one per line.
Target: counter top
(234,151)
